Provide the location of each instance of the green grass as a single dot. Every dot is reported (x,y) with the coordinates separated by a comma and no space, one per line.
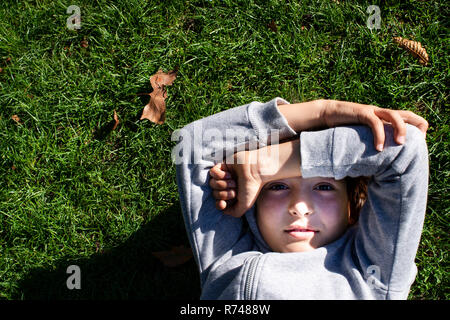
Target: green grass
(72,192)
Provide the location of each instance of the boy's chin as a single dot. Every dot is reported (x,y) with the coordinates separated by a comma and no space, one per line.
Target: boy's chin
(297,247)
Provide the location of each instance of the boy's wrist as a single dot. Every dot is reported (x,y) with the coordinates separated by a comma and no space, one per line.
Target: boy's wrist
(278,161)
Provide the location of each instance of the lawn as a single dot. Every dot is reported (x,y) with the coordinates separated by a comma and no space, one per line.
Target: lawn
(75,192)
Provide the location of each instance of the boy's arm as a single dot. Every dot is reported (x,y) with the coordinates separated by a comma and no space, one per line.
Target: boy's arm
(305,115)
(391,220)
(203,144)
(276,162)
(331,113)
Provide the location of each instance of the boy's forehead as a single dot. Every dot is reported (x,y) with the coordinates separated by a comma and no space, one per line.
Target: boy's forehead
(301,179)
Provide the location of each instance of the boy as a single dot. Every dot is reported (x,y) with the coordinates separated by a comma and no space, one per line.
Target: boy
(299,243)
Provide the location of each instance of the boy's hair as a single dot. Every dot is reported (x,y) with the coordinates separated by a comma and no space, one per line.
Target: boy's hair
(357,194)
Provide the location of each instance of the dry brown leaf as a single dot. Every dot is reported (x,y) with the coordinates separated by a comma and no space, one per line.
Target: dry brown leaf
(67,48)
(413,47)
(155,110)
(175,257)
(116,120)
(272,26)
(16,118)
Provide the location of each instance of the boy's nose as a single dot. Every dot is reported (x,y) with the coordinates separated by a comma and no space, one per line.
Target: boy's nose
(300,208)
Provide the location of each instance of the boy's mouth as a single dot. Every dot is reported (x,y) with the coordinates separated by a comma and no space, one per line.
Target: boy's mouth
(301,233)
(300,229)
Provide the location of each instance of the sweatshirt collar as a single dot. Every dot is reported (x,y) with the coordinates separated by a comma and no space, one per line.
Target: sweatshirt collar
(250,215)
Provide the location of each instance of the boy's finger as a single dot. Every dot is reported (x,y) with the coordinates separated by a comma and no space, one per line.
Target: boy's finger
(221,204)
(415,120)
(377,127)
(224,194)
(218,172)
(394,117)
(222,184)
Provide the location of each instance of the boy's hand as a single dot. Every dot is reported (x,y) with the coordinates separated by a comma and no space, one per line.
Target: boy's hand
(342,112)
(223,185)
(236,186)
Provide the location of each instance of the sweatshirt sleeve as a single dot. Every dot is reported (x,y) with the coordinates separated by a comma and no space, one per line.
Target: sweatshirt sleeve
(204,143)
(391,220)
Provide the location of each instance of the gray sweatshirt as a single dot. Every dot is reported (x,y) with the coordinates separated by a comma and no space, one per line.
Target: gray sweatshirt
(374,259)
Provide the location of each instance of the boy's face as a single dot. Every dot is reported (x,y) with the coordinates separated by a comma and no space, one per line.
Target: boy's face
(298,214)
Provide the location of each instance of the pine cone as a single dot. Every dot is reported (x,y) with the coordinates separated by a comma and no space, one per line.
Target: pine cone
(413,47)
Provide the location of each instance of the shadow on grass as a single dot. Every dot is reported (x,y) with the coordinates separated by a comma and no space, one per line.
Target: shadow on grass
(128,271)
(130,123)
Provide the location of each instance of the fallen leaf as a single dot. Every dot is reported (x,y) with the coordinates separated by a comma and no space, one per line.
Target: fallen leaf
(175,256)
(161,78)
(155,110)
(116,120)
(16,118)
(272,26)
(413,47)
(67,48)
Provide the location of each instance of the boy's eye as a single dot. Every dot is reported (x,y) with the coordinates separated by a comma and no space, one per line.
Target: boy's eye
(277,187)
(325,187)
